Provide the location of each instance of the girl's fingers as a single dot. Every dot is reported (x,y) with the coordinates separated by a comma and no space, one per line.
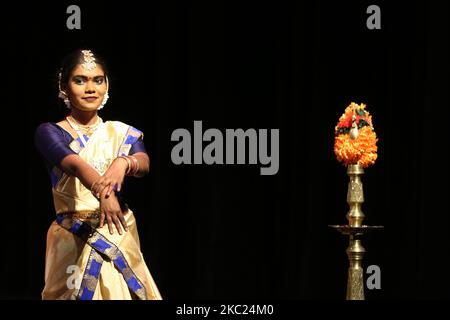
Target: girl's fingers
(110,189)
(118,227)
(104,192)
(123,222)
(110,223)
(102,219)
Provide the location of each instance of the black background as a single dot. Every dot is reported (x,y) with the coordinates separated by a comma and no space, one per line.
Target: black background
(225,231)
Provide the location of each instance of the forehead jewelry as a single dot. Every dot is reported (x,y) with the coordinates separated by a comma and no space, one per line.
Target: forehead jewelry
(89,60)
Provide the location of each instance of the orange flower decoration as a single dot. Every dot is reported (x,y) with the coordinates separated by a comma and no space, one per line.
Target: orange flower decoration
(355,140)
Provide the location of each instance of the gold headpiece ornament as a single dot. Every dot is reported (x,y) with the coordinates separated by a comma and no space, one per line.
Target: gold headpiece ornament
(89,60)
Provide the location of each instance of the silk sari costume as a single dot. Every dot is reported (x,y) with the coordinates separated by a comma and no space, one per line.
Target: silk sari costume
(84,261)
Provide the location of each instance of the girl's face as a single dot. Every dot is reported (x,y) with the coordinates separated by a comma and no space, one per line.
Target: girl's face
(87,88)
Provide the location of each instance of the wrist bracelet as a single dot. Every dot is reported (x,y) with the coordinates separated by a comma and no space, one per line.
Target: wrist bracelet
(135,165)
(92,187)
(128,164)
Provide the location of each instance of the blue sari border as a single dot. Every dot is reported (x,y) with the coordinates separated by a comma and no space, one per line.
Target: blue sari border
(132,136)
(90,276)
(100,246)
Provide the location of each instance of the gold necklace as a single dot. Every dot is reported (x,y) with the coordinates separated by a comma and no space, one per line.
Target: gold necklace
(87,129)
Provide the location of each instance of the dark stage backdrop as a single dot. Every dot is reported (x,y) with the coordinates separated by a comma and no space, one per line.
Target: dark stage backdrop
(225,231)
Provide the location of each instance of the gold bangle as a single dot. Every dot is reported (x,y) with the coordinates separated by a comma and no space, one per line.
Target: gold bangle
(128,163)
(92,187)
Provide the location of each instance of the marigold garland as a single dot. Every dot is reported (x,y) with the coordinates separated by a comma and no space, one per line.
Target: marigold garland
(356,122)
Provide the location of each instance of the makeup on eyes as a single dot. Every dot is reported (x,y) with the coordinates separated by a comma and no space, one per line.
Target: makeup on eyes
(81,79)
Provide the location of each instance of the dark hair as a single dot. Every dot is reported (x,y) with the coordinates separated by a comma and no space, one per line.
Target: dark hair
(71,61)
